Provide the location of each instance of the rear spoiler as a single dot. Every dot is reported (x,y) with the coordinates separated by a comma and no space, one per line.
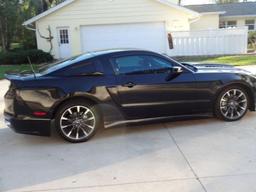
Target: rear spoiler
(12,76)
(15,75)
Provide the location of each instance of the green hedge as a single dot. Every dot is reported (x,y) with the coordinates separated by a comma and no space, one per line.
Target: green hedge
(21,57)
(252,40)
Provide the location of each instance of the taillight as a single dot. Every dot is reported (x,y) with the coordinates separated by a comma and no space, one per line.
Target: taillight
(39,113)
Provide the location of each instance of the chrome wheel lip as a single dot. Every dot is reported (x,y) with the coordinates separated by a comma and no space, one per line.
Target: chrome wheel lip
(81,122)
(233,104)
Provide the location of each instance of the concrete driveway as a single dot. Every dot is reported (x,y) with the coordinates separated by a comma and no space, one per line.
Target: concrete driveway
(188,156)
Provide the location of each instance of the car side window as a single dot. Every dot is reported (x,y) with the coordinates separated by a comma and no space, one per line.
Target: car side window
(82,68)
(159,64)
(139,64)
(129,64)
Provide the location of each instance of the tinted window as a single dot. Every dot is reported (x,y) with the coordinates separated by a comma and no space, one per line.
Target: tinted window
(82,68)
(157,63)
(51,67)
(140,64)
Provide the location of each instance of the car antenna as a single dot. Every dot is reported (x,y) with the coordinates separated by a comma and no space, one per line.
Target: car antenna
(31,66)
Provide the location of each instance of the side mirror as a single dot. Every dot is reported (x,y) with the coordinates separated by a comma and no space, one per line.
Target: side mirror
(175,72)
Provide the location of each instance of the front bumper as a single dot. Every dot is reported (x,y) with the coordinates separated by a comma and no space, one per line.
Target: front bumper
(28,125)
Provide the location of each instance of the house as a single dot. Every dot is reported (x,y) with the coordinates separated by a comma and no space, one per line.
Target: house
(77,26)
(228,15)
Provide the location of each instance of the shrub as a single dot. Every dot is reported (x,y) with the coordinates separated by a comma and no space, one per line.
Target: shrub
(252,39)
(18,56)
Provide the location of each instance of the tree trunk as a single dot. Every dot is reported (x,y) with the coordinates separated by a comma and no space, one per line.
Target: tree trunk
(8,35)
(3,43)
(2,36)
(45,5)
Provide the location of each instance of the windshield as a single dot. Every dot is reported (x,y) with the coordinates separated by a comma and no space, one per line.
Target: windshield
(189,66)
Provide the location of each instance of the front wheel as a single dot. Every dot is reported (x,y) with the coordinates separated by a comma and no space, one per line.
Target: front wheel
(232,104)
(78,121)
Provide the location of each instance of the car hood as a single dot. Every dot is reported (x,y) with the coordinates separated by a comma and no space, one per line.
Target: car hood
(220,68)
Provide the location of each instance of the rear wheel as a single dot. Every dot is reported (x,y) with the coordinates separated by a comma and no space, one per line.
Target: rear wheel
(78,121)
(232,104)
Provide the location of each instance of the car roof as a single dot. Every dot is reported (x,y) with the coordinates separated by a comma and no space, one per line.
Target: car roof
(94,54)
(111,51)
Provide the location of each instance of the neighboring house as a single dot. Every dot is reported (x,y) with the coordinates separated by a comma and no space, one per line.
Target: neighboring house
(86,25)
(228,15)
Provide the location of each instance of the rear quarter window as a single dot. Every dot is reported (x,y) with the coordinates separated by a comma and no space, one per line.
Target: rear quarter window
(82,68)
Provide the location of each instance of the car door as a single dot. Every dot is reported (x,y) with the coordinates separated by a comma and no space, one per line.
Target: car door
(148,87)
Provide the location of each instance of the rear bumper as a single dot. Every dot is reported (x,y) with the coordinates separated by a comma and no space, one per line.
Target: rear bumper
(28,125)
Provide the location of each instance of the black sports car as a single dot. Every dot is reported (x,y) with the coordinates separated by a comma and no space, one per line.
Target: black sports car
(78,96)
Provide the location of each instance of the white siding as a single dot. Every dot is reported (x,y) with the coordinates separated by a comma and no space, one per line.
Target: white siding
(98,12)
(208,21)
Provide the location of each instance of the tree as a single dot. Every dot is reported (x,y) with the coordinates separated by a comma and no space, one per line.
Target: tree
(9,14)
(252,39)
(179,2)
(41,5)
(50,3)
(13,13)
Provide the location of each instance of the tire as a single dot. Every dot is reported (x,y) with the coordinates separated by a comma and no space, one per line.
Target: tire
(232,104)
(78,121)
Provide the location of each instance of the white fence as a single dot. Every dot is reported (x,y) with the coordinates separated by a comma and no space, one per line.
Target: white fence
(210,42)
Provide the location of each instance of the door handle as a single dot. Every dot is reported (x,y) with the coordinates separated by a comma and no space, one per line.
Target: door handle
(129,85)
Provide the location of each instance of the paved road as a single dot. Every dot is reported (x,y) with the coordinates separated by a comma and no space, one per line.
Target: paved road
(189,156)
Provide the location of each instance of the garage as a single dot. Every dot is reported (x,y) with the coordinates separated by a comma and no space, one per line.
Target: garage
(149,36)
(78,26)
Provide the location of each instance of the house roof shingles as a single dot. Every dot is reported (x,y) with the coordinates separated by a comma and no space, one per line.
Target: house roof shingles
(230,9)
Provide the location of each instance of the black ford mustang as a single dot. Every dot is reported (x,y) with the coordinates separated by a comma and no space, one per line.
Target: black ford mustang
(81,94)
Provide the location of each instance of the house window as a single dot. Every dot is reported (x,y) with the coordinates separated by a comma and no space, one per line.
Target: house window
(222,24)
(231,24)
(251,24)
(228,24)
(64,39)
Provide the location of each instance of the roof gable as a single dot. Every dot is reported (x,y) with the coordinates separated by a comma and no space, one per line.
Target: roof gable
(68,2)
(168,3)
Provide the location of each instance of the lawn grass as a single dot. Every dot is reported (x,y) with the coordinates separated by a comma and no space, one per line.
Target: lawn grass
(236,60)
(6,68)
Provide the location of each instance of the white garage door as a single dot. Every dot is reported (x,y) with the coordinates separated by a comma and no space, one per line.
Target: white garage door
(149,36)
